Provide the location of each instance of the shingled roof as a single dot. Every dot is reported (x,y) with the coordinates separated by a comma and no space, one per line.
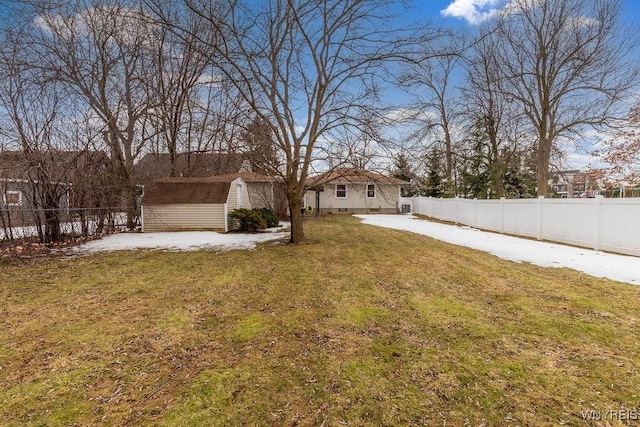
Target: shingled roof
(60,165)
(153,165)
(174,191)
(352,176)
(248,177)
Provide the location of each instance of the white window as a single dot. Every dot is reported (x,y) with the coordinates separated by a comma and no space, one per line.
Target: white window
(12,198)
(341,191)
(371,191)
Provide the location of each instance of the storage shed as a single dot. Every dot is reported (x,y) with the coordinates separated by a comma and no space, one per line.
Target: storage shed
(173,204)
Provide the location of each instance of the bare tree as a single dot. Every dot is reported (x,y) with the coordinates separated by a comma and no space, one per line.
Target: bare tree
(490,116)
(308,68)
(438,106)
(37,117)
(102,52)
(196,112)
(566,64)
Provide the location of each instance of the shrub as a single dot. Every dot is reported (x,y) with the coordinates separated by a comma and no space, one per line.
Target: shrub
(248,220)
(269,216)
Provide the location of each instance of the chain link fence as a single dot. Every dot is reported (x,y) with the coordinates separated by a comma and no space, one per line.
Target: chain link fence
(46,225)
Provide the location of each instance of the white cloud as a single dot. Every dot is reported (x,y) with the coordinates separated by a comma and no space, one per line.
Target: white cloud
(473,11)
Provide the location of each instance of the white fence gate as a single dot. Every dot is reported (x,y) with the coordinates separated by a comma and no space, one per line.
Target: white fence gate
(602,224)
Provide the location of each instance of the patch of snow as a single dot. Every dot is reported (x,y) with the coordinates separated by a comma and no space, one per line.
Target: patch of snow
(598,264)
(178,241)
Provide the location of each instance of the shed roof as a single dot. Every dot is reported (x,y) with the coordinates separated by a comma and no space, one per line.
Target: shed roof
(176,191)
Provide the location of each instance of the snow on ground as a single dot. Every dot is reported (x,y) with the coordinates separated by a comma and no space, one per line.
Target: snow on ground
(599,264)
(178,241)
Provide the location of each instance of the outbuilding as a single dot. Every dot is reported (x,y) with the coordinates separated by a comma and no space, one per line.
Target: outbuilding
(174,204)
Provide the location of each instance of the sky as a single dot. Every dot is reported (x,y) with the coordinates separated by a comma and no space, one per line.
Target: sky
(461,15)
(472,12)
(465,15)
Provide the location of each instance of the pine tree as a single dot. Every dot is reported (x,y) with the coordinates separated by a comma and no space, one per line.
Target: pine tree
(433,185)
(476,174)
(402,170)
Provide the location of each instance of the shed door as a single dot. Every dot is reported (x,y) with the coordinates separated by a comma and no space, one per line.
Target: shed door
(239,195)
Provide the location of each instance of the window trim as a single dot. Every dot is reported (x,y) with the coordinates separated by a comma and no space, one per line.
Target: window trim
(12,192)
(367,191)
(345,191)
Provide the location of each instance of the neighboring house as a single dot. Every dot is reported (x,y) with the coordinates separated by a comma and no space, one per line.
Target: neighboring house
(189,165)
(172,204)
(262,189)
(23,194)
(353,191)
(83,173)
(572,184)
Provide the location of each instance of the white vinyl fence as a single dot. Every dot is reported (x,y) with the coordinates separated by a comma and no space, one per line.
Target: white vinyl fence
(600,223)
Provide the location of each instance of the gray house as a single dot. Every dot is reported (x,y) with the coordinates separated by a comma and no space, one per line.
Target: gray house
(352,190)
(175,204)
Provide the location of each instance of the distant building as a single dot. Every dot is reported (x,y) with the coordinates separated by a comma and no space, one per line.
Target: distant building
(190,165)
(572,184)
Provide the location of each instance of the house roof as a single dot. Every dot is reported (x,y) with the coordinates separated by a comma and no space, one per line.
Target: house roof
(248,177)
(353,176)
(60,165)
(175,191)
(157,165)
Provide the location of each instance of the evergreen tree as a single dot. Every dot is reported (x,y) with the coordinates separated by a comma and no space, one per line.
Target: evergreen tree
(433,185)
(476,174)
(402,170)
(520,179)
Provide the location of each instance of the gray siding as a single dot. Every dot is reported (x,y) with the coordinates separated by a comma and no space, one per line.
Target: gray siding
(386,199)
(261,194)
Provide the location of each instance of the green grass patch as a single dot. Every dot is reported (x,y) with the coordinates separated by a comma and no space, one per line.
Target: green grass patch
(363,326)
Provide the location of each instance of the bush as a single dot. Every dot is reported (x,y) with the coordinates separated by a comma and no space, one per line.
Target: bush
(269,216)
(248,220)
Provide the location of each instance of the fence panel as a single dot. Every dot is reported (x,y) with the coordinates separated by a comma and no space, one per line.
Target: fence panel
(601,224)
(521,217)
(619,229)
(489,215)
(571,221)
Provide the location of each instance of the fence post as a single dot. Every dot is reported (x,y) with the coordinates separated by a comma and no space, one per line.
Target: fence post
(475,212)
(540,217)
(455,210)
(597,216)
(502,199)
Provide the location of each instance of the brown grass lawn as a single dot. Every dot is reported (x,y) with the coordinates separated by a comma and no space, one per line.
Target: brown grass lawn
(364,326)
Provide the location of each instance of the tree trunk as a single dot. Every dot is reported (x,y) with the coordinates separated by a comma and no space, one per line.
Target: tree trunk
(52,232)
(297,231)
(544,154)
(132,206)
(448,158)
